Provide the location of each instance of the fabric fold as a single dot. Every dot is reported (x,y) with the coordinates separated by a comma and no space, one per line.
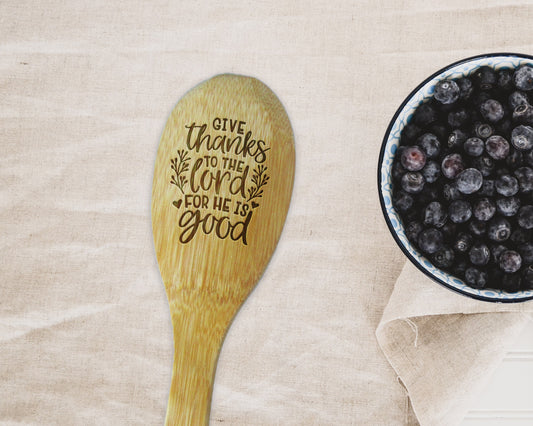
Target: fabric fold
(443,346)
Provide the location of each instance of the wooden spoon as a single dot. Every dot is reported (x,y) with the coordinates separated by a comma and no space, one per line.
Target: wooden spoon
(222,186)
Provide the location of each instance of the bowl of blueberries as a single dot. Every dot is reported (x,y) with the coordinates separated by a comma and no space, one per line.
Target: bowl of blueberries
(455,177)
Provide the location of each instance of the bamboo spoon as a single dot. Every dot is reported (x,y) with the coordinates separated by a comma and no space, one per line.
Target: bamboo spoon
(222,186)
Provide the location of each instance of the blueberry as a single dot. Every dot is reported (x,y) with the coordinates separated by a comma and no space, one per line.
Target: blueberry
(431,171)
(510,261)
(450,192)
(479,254)
(411,214)
(435,214)
(463,243)
(522,137)
(428,194)
(488,188)
(496,251)
(524,175)
(500,171)
(508,206)
(476,278)
(477,227)
(409,133)
(479,97)
(460,211)
(504,126)
(484,209)
(497,147)
(425,114)
(527,280)
(447,91)
(449,230)
(511,282)
(523,78)
(439,130)
(495,275)
(474,146)
(452,165)
(528,157)
(483,130)
(514,159)
(402,201)
(523,114)
(485,78)
(469,181)
(456,138)
(526,251)
(506,185)
(413,158)
(459,267)
(397,171)
(520,235)
(525,217)
(492,110)
(517,98)
(484,164)
(443,258)
(430,240)
(430,144)
(505,79)
(399,151)
(499,229)
(413,182)
(458,117)
(413,229)
(466,88)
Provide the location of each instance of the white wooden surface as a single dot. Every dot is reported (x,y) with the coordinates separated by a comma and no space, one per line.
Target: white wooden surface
(508,398)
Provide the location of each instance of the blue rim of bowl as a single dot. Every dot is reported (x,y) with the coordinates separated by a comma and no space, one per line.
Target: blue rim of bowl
(488,295)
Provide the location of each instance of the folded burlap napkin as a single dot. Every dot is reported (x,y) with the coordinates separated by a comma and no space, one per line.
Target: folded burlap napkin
(444,346)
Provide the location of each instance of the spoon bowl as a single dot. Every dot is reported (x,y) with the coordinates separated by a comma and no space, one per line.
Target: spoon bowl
(221,191)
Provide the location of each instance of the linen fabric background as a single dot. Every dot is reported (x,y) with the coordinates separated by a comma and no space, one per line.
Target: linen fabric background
(337,331)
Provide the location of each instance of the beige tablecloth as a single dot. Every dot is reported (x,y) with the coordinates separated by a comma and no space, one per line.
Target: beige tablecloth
(86,88)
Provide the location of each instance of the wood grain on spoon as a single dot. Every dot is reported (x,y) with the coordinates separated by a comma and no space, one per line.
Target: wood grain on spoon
(222,186)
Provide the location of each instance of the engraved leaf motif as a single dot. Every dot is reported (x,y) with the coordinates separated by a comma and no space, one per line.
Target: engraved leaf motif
(179,166)
(259,180)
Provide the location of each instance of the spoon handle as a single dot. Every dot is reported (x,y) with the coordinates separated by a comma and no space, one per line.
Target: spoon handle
(200,324)
(222,185)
